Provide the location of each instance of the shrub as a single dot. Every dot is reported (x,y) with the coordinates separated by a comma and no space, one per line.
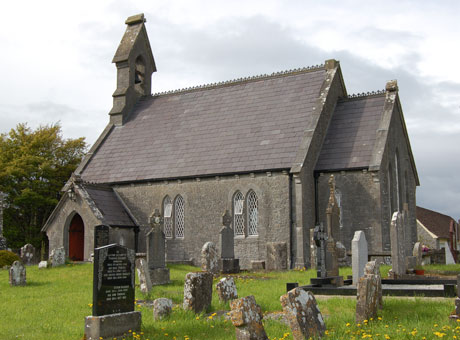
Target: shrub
(7,258)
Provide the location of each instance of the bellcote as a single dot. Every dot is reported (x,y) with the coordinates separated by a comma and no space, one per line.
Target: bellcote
(135,65)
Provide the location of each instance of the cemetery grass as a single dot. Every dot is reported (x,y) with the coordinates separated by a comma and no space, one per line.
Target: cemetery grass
(55,302)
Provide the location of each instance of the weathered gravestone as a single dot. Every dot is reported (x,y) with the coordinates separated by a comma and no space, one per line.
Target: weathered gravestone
(17,274)
(303,314)
(57,257)
(411,263)
(373,268)
(276,256)
(417,252)
(359,254)
(162,308)
(228,263)
(198,291)
(27,254)
(156,251)
(226,289)
(113,293)
(143,275)
(101,235)
(246,316)
(457,299)
(3,243)
(313,250)
(368,295)
(209,258)
(398,257)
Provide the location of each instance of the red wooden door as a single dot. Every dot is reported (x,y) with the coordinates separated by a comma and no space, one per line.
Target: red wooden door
(76,238)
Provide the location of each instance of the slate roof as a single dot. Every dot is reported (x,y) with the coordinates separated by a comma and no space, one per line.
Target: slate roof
(109,205)
(351,134)
(251,125)
(437,223)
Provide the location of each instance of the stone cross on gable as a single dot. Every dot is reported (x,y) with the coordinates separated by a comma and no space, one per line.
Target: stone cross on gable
(156,220)
(226,219)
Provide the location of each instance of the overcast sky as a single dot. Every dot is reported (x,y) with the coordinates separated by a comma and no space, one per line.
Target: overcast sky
(55,64)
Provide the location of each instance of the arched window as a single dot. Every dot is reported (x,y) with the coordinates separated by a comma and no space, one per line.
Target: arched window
(253,213)
(238,217)
(179,216)
(167,214)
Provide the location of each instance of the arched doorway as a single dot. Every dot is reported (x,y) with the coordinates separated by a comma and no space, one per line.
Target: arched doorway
(76,238)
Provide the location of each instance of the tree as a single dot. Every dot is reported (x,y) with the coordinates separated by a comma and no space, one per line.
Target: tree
(34,166)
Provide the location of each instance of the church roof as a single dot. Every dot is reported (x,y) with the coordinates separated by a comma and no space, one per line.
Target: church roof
(114,213)
(352,133)
(250,125)
(439,224)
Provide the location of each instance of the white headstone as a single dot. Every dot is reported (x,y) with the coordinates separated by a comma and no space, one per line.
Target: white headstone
(17,274)
(359,253)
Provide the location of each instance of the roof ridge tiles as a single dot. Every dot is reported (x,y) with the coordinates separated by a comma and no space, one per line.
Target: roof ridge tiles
(241,80)
(365,94)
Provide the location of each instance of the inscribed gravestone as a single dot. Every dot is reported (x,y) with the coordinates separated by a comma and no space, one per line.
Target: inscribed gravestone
(17,274)
(359,254)
(113,285)
(398,257)
(101,236)
(228,263)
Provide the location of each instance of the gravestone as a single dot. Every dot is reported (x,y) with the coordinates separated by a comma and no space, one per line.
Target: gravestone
(113,293)
(101,235)
(303,314)
(411,263)
(198,291)
(368,301)
(156,251)
(43,264)
(276,256)
(246,316)
(57,257)
(27,254)
(228,263)
(359,253)
(162,308)
(417,252)
(142,268)
(313,250)
(373,268)
(398,257)
(3,243)
(209,258)
(457,299)
(17,274)
(226,289)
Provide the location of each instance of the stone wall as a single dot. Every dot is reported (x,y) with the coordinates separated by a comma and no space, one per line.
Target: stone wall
(206,199)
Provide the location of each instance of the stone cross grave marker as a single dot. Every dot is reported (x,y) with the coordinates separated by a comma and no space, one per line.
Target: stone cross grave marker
(101,236)
(359,254)
(228,263)
(156,250)
(113,280)
(17,274)
(398,257)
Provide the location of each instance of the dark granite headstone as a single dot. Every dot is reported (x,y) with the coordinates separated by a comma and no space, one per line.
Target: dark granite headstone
(101,236)
(113,280)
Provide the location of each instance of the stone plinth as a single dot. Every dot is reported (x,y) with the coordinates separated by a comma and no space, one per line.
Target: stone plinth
(230,266)
(198,291)
(209,258)
(303,314)
(257,265)
(159,276)
(246,316)
(17,274)
(112,326)
(359,254)
(276,256)
(226,289)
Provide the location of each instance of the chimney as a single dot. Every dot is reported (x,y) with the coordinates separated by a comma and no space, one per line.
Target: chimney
(135,65)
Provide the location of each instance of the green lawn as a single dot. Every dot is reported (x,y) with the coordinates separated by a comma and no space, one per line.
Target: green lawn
(55,302)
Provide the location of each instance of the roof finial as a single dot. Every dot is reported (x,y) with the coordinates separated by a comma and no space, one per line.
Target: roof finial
(392,86)
(135,19)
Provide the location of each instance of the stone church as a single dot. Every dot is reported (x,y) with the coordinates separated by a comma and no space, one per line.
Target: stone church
(261,147)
